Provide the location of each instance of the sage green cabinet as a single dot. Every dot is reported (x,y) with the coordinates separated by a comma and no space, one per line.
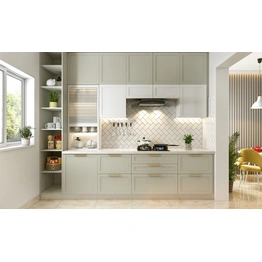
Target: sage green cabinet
(193,68)
(139,68)
(166,68)
(112,68)
(83,68)
(80,174)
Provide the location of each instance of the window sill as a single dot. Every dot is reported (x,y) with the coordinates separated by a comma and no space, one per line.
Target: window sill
(14,147)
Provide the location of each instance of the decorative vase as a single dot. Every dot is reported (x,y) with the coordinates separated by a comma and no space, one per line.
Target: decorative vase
(231,183)
(188,146)
(52,104)
(25,141)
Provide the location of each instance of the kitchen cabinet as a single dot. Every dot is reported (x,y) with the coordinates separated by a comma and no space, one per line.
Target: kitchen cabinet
(114,174)
(192,101)
(193,68)
(195,174)
(139,68)
(83,68)
(166,69)
(112,101)
(80,174)
(112,68)
(154,174)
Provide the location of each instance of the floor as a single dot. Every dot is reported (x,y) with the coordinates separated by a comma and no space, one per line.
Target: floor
(246,197)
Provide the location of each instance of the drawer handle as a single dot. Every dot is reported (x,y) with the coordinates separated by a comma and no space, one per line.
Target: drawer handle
(114,175)
(195,155)
(80,155)
(153,165)
(155,175)
(155,155)
(113,155)
(195,175)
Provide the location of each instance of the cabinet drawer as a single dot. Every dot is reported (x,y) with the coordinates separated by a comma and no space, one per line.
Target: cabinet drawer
(114,183)
(150,184)
(154,168)
(154,158)
(195,163)
(114,163)
(195,184)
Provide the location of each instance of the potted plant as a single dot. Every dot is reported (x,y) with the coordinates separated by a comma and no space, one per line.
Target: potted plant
(188,140)
(54,96)
(233,155)
(25,134)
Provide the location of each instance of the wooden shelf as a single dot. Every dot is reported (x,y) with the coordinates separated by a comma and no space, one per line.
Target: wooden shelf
(52,88)
(52,108)
(53,69)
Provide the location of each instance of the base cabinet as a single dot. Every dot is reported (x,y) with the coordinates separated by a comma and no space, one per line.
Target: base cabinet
(80,174)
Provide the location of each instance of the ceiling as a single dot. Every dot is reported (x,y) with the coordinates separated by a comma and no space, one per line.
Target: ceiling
(249,64)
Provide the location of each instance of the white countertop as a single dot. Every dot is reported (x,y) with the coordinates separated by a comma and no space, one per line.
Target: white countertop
(134,151)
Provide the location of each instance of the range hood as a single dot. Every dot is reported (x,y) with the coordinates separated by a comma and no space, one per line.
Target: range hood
(151,102)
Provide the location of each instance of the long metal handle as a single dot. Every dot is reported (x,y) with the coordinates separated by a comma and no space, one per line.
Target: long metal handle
(155,175)
(195,175)
(80,155)
(114,175)
(153,165)
(113,155)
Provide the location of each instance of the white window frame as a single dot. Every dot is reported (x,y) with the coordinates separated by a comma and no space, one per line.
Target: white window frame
(8,72)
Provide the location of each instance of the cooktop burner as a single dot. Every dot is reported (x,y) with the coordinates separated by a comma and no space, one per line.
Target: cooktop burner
(156,147)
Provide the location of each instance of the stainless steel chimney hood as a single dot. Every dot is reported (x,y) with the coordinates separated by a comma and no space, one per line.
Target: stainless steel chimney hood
(151,102)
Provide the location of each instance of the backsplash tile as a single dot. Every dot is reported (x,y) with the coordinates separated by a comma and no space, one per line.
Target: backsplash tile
(159,124)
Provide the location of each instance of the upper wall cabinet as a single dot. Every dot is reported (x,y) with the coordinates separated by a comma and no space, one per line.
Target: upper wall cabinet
(166,68)
(139,68)
(112,68)
(83,68)
(193,68)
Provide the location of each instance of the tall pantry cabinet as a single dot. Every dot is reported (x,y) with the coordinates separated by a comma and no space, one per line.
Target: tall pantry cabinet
(52,66)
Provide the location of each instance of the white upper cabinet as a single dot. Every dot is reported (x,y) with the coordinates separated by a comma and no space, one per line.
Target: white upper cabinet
(166,91)
(83,68)
(139,68)
(112,68)
(166,69)
(113,101)
(193,68)
(192,101)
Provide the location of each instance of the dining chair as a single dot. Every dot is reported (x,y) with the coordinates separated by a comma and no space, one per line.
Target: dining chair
(250,161)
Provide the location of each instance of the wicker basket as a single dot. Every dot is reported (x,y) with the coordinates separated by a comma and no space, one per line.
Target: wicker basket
(53,167)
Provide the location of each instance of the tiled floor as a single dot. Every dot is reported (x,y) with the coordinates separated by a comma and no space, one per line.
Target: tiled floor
(246,197)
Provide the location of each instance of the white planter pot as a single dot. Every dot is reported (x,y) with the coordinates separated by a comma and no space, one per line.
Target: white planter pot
(25,141)
(188,146)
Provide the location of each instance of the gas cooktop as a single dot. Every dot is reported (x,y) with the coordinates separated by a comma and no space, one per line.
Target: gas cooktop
(156,147)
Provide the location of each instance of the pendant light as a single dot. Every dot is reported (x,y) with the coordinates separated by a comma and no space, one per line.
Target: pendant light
(258,103)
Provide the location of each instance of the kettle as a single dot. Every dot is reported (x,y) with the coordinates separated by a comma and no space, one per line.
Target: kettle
(50,82)
(79,143)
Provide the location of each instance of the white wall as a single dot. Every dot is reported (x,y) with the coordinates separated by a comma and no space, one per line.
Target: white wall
(19,169)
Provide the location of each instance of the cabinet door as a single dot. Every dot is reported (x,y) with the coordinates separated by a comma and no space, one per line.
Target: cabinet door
(139,68)
(83,68)
(192,101)
(112,68)
(166,91)
(139,91)
(114,164)
(193,68)
(80,174)
(166,68)
(113,101)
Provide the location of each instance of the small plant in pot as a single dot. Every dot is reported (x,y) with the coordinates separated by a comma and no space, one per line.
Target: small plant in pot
(188,140)
(54,97)
(25,134)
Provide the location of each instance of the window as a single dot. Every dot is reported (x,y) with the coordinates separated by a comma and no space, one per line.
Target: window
(12,100)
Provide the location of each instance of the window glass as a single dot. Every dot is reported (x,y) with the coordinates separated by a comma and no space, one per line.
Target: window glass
(1,108)
(13,108)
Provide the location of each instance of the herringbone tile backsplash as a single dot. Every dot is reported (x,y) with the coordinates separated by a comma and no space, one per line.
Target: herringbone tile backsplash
(159,124)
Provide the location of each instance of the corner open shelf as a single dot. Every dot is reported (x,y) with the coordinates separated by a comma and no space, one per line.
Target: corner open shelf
(53,69)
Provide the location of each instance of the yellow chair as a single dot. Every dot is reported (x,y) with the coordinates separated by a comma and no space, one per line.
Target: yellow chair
(250,161)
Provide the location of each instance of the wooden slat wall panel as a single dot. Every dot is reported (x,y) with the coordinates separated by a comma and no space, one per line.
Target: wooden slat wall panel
(243,92)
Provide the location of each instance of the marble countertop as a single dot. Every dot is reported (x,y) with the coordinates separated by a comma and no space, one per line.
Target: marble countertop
(131,151)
